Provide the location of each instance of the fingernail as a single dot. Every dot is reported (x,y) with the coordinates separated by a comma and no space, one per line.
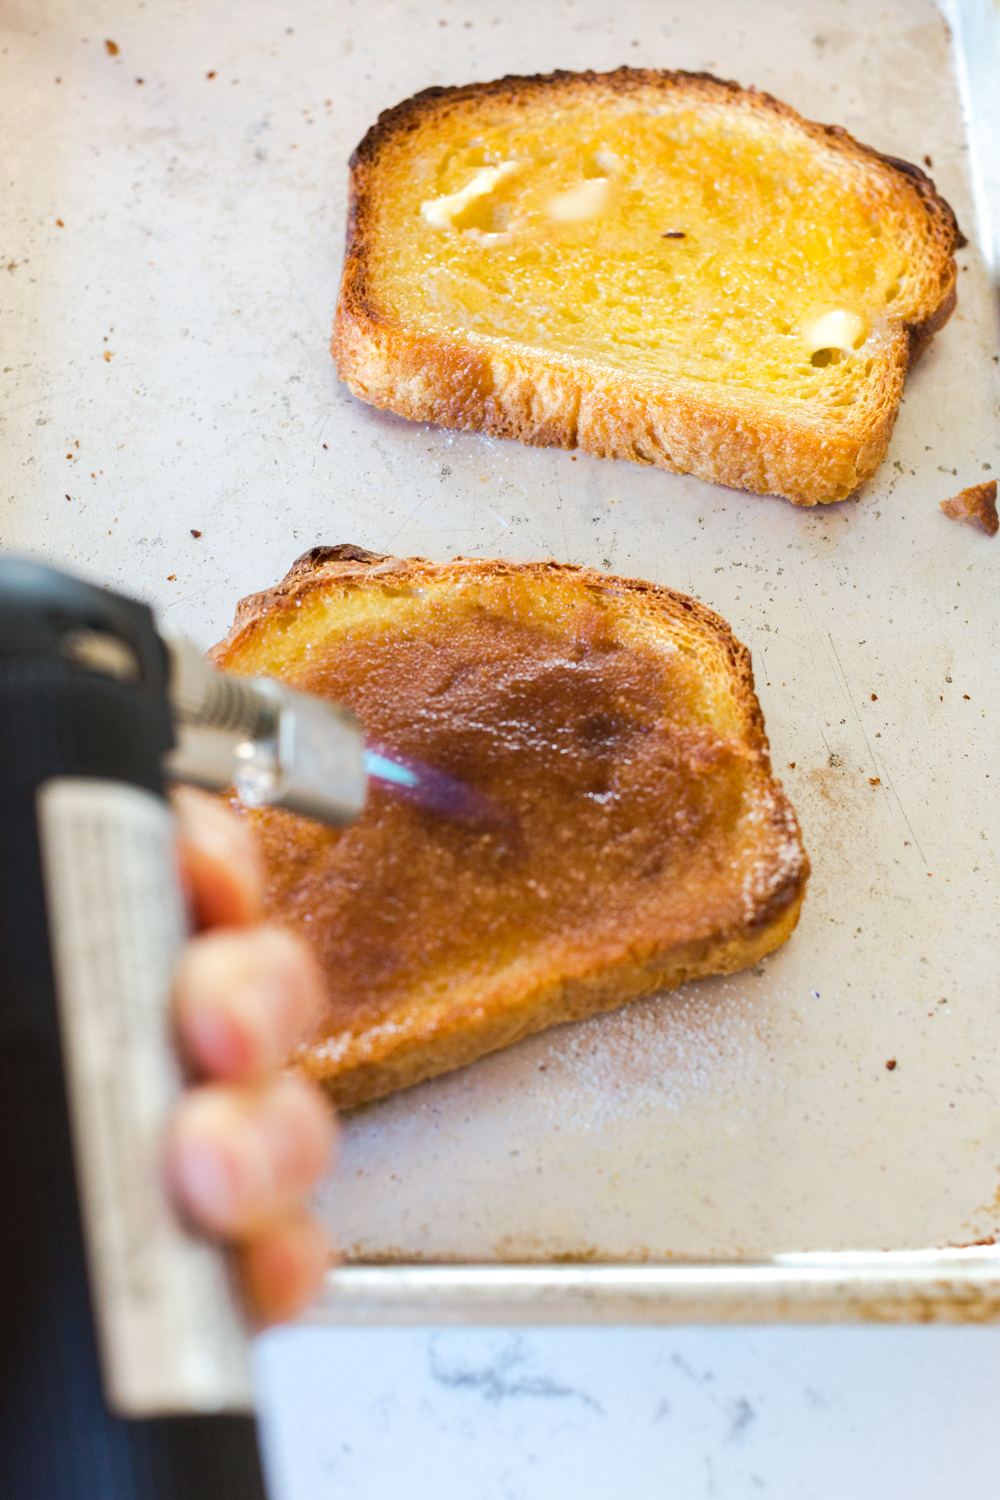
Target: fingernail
(245,1030)
(206,1180)
(222,1186)
(220,1043)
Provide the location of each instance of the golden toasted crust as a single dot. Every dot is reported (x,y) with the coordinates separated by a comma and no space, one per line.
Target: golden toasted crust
(554,398)
(615,718)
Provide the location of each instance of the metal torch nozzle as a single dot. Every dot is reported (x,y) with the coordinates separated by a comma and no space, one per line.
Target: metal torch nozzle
(275,747)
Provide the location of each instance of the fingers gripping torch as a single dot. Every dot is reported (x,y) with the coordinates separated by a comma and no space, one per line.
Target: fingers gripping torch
(124,1371)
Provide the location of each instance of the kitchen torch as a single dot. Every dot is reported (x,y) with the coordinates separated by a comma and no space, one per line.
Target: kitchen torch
(124,1366)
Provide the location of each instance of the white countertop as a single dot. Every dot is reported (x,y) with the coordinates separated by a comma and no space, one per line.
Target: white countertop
(636,1413)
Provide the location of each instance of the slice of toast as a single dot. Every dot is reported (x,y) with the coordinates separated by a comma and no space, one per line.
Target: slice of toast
(615,721)
(654,266)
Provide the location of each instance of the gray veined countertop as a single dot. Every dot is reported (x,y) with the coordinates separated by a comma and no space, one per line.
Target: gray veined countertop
(642,1413)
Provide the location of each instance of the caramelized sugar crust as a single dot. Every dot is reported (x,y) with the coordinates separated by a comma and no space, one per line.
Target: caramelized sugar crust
(613,720)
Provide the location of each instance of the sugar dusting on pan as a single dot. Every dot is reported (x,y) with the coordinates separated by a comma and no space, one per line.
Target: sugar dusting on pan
(654,1053)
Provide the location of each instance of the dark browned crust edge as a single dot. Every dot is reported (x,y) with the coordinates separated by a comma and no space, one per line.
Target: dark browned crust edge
(355,305)
(317,556)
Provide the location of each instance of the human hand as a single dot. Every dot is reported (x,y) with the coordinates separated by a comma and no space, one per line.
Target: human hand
(246,1144)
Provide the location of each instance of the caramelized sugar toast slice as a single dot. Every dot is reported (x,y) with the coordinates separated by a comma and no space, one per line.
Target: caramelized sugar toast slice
(614,719)
(654,266)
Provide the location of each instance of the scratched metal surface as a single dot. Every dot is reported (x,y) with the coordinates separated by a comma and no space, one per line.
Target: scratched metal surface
(173,212)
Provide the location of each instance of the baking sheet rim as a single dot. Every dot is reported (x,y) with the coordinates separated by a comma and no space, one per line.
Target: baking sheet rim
(924,1286)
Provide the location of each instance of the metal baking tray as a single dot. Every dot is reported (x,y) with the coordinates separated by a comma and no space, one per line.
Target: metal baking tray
(171,424)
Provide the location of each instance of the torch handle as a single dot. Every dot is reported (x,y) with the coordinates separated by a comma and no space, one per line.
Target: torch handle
(71,1365)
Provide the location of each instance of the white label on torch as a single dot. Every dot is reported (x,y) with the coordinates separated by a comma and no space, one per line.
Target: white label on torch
(172,1338)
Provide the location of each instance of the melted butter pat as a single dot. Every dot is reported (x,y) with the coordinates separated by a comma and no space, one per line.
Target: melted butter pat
(441,213)
(835,330)
(585,201)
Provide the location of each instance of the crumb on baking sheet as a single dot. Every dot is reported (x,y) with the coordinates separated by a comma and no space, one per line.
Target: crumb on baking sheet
(977,503)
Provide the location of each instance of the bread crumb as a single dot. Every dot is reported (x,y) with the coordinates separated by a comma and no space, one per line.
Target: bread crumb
(977,503)
(112,48)
(891,1064)
(195,533)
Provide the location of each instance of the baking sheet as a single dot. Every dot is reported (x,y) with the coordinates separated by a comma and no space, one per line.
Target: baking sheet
(171,424)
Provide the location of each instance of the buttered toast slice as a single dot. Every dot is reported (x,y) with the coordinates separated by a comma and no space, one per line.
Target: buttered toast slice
(616,722)
(654,266)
